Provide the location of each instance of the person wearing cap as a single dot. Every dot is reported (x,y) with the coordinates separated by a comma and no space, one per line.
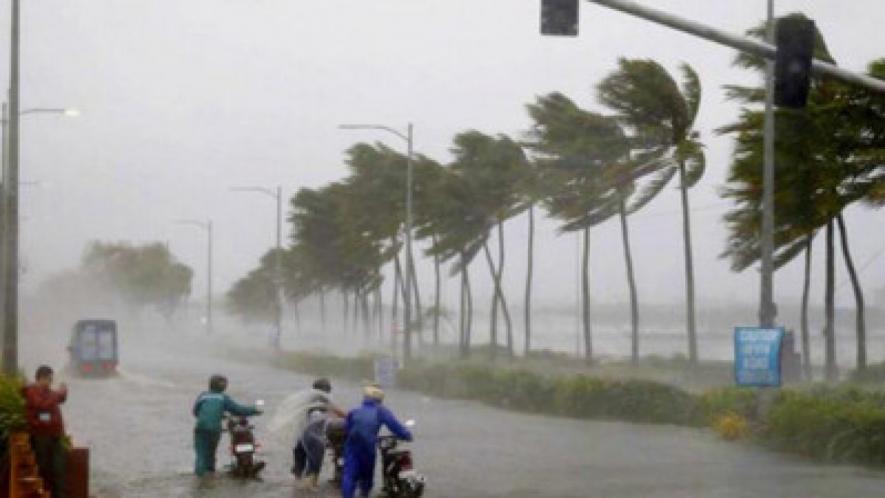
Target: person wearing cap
(363,425)
(310,445)
(209,410)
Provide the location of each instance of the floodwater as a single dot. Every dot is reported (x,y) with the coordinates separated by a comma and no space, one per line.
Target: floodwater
(138,427)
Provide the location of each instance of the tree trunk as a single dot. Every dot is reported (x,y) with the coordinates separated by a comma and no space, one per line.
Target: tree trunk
(462,311)
(436,297)
(527,310)
(356,312)
(493,318)
(417,316)
(860,319)
(806,343)
(631,284)
(296,314)
(832,373)
(379,310)
(468,297)
(689,270)
(346,301)
(367,320)
(323,309)
(498,297)
(585,297)
(507,322)
(469,314)
(394,316)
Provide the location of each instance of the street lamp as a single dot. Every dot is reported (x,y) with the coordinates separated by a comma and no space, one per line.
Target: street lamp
(4,123)
(407,302)
(9,231)
(278,261)
(207,226)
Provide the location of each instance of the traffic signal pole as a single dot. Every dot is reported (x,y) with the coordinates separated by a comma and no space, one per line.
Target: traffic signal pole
(767,310)
(749,45)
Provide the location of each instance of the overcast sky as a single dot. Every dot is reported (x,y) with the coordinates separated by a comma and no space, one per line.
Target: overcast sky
(181,100)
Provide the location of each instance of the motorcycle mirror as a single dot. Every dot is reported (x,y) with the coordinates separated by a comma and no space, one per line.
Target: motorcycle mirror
(410,423)
(259,403)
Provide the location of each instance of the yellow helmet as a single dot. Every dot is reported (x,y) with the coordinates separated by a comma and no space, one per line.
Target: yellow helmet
(373,391)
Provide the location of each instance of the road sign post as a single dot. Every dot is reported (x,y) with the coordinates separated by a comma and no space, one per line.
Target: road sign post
(757,356)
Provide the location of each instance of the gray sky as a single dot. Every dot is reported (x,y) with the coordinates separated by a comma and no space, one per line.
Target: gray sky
(181,100)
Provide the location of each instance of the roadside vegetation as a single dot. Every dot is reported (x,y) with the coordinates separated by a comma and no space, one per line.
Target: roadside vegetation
(844,423)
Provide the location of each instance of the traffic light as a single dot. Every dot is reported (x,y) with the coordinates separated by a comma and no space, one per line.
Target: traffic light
(792,66)
(559,17)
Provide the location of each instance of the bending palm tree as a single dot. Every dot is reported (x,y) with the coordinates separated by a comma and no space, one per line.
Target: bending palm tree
(661,114)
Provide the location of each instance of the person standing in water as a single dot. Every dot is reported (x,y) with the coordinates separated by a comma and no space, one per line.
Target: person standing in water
(310,443)
(209,410)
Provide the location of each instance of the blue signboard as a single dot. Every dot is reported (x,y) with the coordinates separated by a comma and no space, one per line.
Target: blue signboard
(757,356)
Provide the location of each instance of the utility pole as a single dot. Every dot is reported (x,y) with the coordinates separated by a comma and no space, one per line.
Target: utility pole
(207,227)
(209,324)
(10,211)
(766,305)
(409,273)
(277,194)
(407,305)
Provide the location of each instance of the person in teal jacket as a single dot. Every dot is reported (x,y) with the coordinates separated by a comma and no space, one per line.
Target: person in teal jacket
(209,409)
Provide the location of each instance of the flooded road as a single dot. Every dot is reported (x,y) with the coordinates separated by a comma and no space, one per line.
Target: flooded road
(138,427)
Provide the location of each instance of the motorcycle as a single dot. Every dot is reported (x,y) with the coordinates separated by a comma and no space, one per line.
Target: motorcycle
(243,447)
(400,479)
(336,434)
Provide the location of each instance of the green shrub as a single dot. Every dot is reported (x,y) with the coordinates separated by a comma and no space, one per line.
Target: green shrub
(828,423)
(835,424)
(359,368)
(12,406)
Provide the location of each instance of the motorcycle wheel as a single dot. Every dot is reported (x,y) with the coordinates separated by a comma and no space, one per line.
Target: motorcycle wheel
(407,490)
(244,466)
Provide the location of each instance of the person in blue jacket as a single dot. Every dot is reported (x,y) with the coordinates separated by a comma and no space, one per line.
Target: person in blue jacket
(363,425)
(209,409)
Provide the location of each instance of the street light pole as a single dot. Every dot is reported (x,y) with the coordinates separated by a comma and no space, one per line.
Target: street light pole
(207,226)
(9,231)
(407,302)
(10,205)
(278,255)
(766,305)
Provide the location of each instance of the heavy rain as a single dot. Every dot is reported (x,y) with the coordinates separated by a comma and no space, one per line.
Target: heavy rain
(463,248)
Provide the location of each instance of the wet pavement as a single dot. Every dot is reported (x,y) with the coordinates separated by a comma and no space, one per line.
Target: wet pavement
(138,427)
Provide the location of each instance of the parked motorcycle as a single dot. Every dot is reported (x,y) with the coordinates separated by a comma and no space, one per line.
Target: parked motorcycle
(400,479)
(243,447)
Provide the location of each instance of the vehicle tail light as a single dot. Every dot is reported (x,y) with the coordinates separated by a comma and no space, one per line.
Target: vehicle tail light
(86,367)
(108,365)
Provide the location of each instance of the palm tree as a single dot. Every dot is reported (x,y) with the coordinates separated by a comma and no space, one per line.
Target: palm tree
(661,114)
(459,231)
(496,165)
(531,193)
(579,160)
(827,157)
(428,180)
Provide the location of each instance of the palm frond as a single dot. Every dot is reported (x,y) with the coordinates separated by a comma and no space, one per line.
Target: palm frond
(691,92)
(651,189)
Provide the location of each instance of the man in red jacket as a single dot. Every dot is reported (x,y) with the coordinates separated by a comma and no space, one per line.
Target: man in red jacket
(47,428)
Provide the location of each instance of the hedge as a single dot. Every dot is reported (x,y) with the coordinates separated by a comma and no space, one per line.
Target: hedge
(841,424)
